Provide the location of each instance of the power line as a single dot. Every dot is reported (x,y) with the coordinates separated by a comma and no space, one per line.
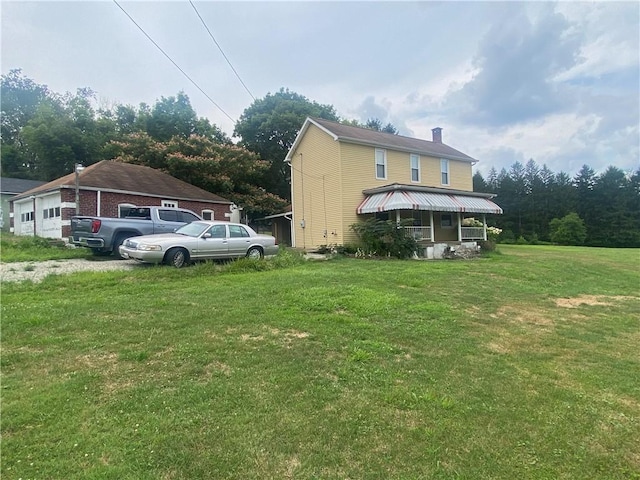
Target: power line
(174,63)
(220,48)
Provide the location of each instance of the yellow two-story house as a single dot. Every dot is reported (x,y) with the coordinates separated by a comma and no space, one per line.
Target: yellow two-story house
(341,174)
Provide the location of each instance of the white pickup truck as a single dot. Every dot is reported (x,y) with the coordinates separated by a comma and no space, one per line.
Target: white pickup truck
(103,235)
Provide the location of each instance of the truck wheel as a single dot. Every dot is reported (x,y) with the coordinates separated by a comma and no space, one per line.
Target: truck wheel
(97,252)
(119,240)
(255,253)
(178,257)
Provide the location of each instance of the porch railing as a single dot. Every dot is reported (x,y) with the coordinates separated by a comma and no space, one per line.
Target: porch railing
(472,233)
(420,233)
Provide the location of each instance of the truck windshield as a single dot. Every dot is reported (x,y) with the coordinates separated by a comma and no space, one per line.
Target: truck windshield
(193,229)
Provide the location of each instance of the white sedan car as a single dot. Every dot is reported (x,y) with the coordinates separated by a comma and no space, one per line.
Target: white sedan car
(201,240)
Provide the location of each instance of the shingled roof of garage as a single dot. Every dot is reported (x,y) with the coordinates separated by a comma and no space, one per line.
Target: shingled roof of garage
(112,176)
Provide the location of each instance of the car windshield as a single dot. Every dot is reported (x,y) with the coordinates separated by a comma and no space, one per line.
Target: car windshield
(193,229)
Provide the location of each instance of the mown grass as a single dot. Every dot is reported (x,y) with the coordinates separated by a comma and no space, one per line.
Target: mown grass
(520,365)
(32,249)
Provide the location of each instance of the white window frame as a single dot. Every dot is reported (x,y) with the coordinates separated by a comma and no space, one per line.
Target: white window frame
(170,203)
(414,158)
(381,161)
(444,172)
(208,211)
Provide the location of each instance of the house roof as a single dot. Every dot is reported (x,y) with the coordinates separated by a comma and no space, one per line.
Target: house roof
(14,186)
(112,176)
(365,136)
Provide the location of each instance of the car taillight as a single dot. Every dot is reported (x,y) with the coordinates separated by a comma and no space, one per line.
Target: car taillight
(95,226)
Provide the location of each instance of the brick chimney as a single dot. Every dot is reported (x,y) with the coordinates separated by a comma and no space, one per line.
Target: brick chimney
(437,135)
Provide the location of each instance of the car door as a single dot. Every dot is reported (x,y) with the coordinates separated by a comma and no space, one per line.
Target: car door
(213,243)
(239,241)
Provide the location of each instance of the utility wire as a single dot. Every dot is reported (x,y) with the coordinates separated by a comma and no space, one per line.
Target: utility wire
(220,48)
(174,63)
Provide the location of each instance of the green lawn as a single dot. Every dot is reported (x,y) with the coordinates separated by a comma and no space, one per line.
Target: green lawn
(521,365)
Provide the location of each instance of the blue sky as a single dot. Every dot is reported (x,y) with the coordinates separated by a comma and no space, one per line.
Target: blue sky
(557,82)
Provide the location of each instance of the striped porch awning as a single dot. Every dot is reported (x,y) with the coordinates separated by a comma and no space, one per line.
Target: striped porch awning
(436,202)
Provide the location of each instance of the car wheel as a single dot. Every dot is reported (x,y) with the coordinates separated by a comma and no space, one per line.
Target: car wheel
(255,253)
(178,257)
(119,240)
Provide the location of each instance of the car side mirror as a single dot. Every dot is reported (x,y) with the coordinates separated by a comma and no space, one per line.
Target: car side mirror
(206,235)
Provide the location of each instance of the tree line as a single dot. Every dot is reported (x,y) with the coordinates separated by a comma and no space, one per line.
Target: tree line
(532,196)
(44,134)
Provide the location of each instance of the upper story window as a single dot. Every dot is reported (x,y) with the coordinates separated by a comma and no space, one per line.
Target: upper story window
(444,171)
(207,215)
(381,164)
(415,167)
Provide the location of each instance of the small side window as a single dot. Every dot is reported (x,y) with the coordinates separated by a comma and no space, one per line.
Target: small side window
(168,215)
(170,203)
(236,231)
(208,215)
(218,231)
(187,217)
(124,209)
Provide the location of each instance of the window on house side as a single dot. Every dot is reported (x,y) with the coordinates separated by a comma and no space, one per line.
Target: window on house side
(169,203)
(446,220)
(381,164)
(207,214)
(415,167)
(444,169)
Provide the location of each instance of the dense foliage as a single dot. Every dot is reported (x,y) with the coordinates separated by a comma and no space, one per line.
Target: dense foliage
(45,133)
(531,196)
(385,238)
(270,126)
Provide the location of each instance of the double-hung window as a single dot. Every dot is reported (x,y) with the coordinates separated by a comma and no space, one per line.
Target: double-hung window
(415,167)
(381,164)
(444,171)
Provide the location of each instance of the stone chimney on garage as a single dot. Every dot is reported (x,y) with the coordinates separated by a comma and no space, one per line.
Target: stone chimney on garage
(437,135)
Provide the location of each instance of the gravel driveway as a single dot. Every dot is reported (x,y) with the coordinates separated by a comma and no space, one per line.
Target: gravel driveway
(36,271)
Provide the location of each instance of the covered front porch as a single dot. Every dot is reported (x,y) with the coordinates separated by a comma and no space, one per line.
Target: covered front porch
(438,215)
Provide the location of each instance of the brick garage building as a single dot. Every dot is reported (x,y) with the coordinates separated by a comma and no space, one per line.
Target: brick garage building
(106,189)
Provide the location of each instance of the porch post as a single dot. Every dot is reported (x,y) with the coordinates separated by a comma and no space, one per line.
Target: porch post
(484,227)
(459,227)
(397,217)
(431,225)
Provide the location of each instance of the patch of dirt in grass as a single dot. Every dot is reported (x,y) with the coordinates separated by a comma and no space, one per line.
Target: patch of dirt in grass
(216,366)
(288,336)
(591,300)
(534,325)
